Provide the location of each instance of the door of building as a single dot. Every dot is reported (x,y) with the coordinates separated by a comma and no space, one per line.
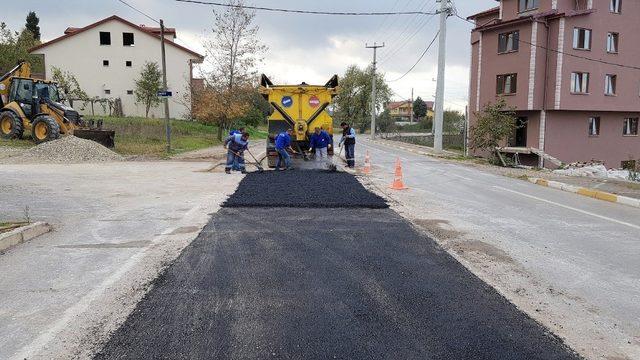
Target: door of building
(521,132)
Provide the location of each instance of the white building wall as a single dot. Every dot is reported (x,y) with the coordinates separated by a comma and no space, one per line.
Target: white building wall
(82,55)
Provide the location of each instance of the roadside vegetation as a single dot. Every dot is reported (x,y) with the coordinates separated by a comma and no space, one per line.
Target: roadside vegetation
(146,137)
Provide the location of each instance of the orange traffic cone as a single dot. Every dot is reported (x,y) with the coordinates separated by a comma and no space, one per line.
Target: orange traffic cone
(367,164)
(397,179)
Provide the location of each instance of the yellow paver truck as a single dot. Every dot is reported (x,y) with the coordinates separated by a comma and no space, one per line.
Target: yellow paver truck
(300,107)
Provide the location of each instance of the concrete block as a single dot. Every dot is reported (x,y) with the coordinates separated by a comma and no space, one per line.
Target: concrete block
(33,230)
(22,234)
(10,239)
(629,201)
(601,195)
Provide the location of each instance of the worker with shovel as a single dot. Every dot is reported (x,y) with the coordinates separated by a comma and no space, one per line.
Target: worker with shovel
(236,145)
(320,141)
(349,141)
(283,143)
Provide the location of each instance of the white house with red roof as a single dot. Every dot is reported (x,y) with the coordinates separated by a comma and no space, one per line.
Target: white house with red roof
(107,57)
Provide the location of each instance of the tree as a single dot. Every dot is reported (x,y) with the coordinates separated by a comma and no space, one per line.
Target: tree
(235,49)
(420,108)
(148,85)
(68,84)
(14,47)
(495,124)
(353,103)
(453,122)
(220,107)
(385,122)
(234,52)
(32,25)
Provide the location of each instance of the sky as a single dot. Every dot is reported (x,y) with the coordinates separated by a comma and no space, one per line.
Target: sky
(308,48)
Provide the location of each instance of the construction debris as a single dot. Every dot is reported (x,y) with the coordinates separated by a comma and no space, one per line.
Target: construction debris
(68,149)
(594,170)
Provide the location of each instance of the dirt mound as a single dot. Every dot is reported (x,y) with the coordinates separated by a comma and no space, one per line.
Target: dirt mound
(68,149)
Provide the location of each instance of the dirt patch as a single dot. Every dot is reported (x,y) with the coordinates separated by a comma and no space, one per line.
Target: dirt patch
(483,248)
(440,229)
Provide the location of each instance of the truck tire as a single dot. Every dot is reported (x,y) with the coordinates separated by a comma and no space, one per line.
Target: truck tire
(11,126)
(44,128)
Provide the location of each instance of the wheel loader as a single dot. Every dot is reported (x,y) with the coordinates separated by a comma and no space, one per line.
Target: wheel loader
(36,105)
(301,108)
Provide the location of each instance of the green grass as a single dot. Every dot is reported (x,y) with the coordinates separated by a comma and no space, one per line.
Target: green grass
(146,137)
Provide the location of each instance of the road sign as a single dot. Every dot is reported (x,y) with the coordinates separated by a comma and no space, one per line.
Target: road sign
(314,101)
(164,94)
(287,101)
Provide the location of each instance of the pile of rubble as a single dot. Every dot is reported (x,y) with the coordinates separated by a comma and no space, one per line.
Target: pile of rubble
(68,149)
(596,170)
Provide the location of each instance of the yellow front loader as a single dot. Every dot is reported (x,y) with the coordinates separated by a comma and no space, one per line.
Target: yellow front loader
(35,105)
(301,108)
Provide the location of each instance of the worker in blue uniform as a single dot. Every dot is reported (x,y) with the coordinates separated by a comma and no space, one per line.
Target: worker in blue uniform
(236,145)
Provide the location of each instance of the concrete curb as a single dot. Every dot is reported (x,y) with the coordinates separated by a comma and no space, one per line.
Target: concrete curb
(445,154)
(22,234)
(596,194)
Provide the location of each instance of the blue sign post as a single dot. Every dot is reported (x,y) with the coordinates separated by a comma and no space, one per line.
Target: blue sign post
(164,93)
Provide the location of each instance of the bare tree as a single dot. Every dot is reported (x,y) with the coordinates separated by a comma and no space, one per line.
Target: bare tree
(235,49)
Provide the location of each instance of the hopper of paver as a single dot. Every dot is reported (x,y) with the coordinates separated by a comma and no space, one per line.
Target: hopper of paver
(300,107)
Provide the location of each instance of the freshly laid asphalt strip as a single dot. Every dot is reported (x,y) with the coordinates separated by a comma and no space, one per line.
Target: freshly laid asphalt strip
(303,189)
(358,283)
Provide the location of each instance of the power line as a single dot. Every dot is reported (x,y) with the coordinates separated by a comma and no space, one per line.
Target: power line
(390,56)
(600,61)
(310,12)
(420,58)
(404,36)
(140,11)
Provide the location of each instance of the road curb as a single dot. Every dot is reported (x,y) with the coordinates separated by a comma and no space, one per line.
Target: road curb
(596,194)
(22,234)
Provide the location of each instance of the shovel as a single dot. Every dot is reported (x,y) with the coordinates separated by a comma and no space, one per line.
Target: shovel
(257,163)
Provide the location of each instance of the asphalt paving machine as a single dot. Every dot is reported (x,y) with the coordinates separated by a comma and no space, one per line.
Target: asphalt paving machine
(36,105)
(300,107)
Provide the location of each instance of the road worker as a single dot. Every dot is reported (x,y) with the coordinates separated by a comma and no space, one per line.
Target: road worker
(349,141)
(320,142)
(240,130)
(236,145)
(283,143)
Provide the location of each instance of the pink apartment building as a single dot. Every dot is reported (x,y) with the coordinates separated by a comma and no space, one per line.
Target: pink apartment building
(572,70)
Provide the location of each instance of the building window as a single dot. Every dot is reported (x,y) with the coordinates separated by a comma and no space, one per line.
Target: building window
(107,92)
(610,84)
(127,63)
(612,42)
(580,83)
(630,127)
(105,62)
(105,38)
(615,6)
(129,92)
(526,5)
(127,39)
(581,39)
(508,42)
(507,84)
(594,126)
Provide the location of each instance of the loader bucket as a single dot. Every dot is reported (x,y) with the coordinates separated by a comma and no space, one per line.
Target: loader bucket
(104,137)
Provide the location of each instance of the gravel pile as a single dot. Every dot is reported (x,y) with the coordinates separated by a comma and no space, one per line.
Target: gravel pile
(303,189)
(68,149)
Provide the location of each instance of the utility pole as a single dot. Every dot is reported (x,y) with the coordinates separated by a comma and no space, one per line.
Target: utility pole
(411,108)
(167,122)
(373,89)
(439,115)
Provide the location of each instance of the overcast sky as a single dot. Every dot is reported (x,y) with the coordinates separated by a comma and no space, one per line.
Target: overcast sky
(307,48)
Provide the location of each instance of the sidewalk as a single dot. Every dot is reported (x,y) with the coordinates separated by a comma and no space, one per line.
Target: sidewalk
(617,187)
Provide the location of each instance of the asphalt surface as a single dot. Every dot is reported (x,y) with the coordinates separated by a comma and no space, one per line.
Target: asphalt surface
(303,189)
(341,283)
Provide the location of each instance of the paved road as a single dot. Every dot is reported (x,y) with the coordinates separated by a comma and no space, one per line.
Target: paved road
(290,283)
(586,249)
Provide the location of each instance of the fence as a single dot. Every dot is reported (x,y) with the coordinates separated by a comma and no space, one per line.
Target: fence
(449,141)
